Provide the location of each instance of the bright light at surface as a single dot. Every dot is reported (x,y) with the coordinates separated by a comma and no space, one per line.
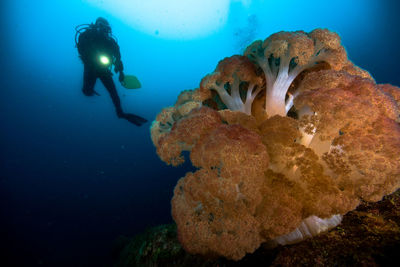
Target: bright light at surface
(104,60)
(170,19)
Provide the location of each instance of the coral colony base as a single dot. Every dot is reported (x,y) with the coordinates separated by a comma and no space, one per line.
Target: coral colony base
(287,138)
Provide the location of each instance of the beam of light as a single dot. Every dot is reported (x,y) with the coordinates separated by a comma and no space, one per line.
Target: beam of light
(172,19)
(104,60)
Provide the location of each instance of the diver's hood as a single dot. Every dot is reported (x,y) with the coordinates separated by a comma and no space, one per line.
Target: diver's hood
(103,25)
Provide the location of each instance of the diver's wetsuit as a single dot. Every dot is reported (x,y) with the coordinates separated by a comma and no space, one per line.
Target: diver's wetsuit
(92,45)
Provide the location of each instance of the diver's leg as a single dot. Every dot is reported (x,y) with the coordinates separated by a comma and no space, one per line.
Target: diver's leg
(89,80)
(108,82)
(110,86)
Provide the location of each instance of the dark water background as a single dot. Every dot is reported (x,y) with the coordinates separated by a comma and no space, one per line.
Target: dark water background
(72,176)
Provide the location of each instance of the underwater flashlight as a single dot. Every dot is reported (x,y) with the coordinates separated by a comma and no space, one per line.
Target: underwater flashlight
(104,60)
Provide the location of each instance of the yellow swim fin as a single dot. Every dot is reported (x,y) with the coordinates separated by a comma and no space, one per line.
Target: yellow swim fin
(131,82)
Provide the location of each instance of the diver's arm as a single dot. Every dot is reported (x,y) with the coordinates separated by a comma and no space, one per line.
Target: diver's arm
(119,67)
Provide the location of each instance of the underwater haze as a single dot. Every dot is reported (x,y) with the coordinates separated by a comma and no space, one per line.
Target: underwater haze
(74,177)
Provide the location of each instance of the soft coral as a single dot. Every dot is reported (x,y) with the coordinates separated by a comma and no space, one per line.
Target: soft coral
(284,55)
(231,74)
(265,175)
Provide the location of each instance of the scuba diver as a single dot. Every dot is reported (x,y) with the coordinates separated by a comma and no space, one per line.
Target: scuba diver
(98,51)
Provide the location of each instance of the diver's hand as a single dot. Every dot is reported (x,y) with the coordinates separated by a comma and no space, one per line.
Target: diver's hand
(121,77)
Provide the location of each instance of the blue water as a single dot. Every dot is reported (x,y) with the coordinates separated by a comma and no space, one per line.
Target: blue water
(72,175)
